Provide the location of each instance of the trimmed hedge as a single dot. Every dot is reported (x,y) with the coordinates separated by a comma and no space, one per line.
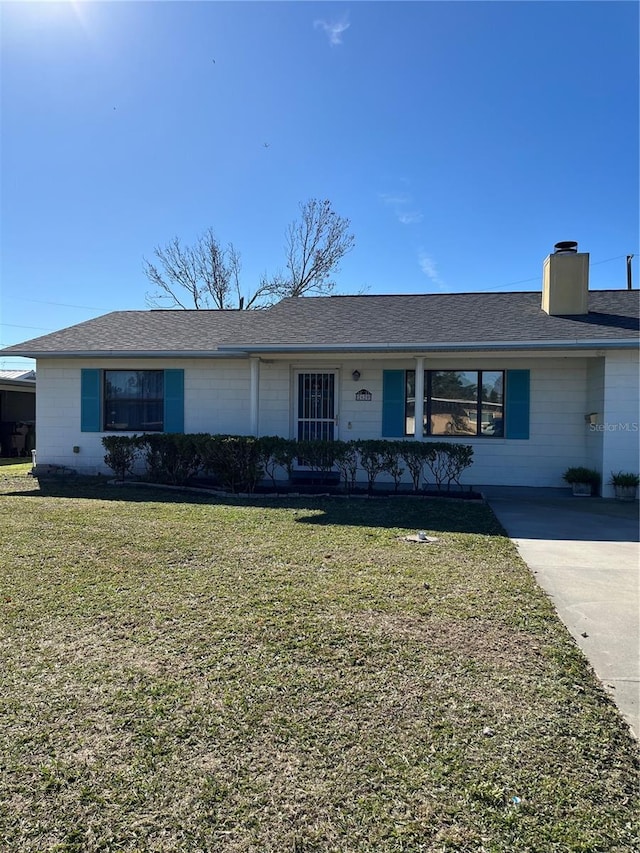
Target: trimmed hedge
(240,462)
(234,460)
(172,457)
(121,454)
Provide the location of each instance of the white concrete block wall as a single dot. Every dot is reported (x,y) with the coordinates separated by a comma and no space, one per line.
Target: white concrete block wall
(277,398)
(558,400)
(216,396)
(557,426)
(217,400)
(620,421)
(361,419)
(274,408)
(558,433)
(58,416)
(595,406)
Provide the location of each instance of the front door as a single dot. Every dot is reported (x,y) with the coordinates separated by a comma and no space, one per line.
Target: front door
(315,406)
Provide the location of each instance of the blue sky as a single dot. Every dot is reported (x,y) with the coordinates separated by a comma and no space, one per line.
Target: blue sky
(462,140)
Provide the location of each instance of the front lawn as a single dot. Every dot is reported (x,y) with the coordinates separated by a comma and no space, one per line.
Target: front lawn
(290,676)
(14,467)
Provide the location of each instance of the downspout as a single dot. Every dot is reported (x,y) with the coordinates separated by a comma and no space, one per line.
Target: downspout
(419,400)
(254,389)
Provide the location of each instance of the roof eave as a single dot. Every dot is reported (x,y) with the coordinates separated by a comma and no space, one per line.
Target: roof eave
(24,384)
(126,354)
(476,346)
(245,349)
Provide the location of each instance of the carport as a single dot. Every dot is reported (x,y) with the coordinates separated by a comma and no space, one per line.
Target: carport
(17,412)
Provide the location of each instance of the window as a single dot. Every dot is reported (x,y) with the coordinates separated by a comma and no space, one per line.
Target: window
(134,400)
(148,400)
(458,402)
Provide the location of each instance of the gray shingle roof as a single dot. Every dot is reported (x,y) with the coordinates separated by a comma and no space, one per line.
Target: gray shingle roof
(448,318)
(417,322)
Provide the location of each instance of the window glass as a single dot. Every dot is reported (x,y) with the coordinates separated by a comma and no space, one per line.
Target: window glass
(134,400)
(492,417)
(410,403)
(454,402)
(458,402)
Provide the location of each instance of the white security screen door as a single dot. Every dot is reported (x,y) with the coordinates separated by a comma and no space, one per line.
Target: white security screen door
(316,409)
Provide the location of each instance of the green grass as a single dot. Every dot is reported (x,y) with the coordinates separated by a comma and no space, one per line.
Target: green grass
(12,467)
(290,676)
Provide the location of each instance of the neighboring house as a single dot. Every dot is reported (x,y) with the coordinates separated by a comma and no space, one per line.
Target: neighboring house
(533,382)
(17,411)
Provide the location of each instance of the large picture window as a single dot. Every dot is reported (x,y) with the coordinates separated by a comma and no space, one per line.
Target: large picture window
(134,400)
(458,402)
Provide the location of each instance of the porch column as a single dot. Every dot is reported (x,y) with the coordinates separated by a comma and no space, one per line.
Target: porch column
(419,399)
(254,389)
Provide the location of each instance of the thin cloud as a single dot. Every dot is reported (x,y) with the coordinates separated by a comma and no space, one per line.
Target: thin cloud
(395,200)
(333,29)
(429,268)
(409,217)
(402,206)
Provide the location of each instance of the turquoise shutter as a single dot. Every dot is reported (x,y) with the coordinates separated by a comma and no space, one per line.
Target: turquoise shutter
(90,400)
(393,386)
(174,401)
(517,404)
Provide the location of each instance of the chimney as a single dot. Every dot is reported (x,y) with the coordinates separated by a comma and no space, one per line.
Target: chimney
(565,280)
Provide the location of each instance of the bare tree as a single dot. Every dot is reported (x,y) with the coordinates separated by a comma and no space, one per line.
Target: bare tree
(207,275)
(204,275)
(217,268)
(315,245)
(180,273)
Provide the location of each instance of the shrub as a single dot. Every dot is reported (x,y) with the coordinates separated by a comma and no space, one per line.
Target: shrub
(172,457)
(391,456)
(372,458)
(235,460)
(447,461)
(414,454)
(276,452)
(346,460)
(580,474)
(624,478)
(121,455)
(318,454)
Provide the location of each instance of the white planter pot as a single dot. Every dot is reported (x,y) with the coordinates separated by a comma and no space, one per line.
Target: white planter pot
(582,490)
(625,493)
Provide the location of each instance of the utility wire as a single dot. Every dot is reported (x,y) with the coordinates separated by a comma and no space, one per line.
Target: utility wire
(58,304)
(20,326)
(537,278)
(96,308)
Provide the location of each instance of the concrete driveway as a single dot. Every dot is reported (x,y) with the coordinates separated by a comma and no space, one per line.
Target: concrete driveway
(584,553)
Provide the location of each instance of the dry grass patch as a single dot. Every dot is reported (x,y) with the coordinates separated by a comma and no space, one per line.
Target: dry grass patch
(198,675)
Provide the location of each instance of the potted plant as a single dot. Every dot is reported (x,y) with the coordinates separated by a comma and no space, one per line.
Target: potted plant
(625,484)
(583,481)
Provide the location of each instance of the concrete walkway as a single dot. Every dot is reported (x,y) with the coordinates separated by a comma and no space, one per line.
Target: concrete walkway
(584,553)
